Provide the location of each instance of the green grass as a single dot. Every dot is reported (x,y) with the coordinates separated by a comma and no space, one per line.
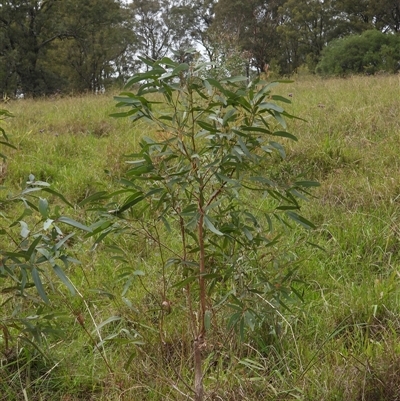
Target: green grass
(341,343)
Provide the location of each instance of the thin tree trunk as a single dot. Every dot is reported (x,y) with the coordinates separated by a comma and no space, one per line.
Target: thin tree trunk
(198,371)
(199,341)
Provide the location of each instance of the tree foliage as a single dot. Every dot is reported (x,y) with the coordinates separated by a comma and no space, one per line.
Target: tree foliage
(47,45)
(27,29)
(370,52)
(215,140)
(100,38)
(252,25)
(383,15)
(53,45)
(161,26)
(307,27)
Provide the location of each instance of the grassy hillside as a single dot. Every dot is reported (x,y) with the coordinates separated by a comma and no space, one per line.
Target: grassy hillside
(341,342)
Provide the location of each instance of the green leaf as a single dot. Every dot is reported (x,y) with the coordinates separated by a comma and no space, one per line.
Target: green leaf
(238,78)
(94,197)
(211,226)
(138,273)
(281,99)
(37,183)
(73,223)
(125,114)
(24,229)
(184,282)
(279,148)
(213,205)
(287,207)
(65,280)
(208,87)
(166,224)
(300,220)
(317,246)
(280,119)
(241,328)
(63,240)
(244,148)
(5,113)
(180,68)
(307,184)
(235,317)
(206,126)
(167,61)
(228,116)
(254,129)
(155,73)
(43,207)
(270,106)
(131,201)
(55,193)
(247,233)
(215,83)
(29,190)
(39,285)
(249,319)
(7,144)
(98,227)
(47,224)
(33,246)
(284,134)
(105,322)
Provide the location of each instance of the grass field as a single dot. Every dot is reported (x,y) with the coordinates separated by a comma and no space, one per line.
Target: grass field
(341,342)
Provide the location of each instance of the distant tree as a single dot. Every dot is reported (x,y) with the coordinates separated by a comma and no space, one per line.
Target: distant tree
(306,28)
(47,45)
(361,15)
(251,25)
(161,26)
(204,11)
(27,28)
(101,36)
(369,52)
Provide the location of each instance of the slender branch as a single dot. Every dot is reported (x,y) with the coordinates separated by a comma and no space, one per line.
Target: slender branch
(188,293)
(202,270)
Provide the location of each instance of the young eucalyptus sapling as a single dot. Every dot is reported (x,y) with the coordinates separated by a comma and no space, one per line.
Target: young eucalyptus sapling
(32,244)
(197,176)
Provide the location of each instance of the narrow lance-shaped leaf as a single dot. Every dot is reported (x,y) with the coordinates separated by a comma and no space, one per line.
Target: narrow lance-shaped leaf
(39,285)
(73,223)
(300,219)
(65,280)
(211,227)
(33,246)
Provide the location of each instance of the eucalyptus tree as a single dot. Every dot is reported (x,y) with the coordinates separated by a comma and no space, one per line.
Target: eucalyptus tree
(46,45)
(161,26)
(383,15)
(27,29)
(309,26)
(306,28)
(102,35)
(194,181)
(252,25)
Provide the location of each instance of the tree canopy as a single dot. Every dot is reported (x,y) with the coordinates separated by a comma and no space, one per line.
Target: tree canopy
(370,52)
(83,45)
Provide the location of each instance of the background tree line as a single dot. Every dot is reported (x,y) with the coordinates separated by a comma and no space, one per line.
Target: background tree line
(50,46)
